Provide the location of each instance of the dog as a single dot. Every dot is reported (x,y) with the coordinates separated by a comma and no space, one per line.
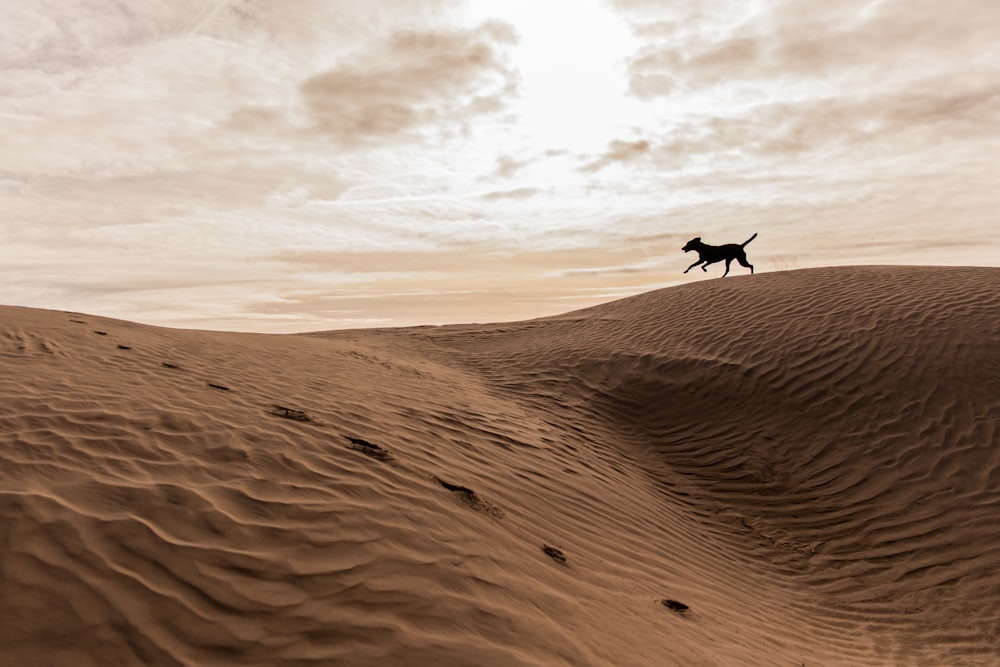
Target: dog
(710,254)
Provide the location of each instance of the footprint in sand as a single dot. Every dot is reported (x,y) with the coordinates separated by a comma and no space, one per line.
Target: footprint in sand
(554,553)
(291,413)
(474,500)
(674,605)
(369,448)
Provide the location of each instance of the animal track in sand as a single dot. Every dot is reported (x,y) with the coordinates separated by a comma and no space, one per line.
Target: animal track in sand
(474,500)
(291,413)
(674,605)
(554,553)
(369,448)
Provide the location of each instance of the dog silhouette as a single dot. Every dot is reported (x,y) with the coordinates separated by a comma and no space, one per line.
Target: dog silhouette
(710,254)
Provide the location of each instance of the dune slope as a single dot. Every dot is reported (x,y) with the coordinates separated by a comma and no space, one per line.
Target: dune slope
(807,461)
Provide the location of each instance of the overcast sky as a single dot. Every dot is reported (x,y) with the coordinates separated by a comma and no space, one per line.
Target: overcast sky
(313,164)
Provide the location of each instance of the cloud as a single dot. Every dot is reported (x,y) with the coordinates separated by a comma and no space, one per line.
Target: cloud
(401,287)
(516,193)
(851,43)
(619,151)
(815,86)
(50,36)
(256,120)
(187,150)
(411,81)
(892,122)
(507,166)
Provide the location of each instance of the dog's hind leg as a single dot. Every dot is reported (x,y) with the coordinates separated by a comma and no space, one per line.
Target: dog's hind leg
(742,259)
(728,262)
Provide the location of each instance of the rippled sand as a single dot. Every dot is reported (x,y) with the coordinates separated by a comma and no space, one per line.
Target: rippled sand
(790,468)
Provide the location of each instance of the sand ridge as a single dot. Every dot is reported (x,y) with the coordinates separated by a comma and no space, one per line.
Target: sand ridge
(807,460)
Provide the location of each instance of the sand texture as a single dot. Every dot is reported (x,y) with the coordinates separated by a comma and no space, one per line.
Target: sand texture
(793,468)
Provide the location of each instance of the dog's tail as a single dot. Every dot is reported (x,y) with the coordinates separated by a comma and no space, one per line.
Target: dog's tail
(749,240)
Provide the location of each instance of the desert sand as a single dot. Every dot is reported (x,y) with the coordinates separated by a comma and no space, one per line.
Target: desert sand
(792,468)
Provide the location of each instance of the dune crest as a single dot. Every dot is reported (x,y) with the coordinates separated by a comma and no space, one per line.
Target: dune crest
(796,468)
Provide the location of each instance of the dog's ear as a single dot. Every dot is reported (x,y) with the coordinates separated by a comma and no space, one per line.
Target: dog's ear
(697,238)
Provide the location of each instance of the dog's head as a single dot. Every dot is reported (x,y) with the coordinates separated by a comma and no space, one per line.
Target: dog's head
(692,244)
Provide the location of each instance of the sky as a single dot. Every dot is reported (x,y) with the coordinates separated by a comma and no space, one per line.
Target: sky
(303,165)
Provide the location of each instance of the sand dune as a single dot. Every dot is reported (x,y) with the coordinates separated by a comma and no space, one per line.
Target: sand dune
(807,461)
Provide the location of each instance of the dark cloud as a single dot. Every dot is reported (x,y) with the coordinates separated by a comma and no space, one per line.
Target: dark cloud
(411,80)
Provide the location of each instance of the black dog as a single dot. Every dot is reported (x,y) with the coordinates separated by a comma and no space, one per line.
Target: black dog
(710,254)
